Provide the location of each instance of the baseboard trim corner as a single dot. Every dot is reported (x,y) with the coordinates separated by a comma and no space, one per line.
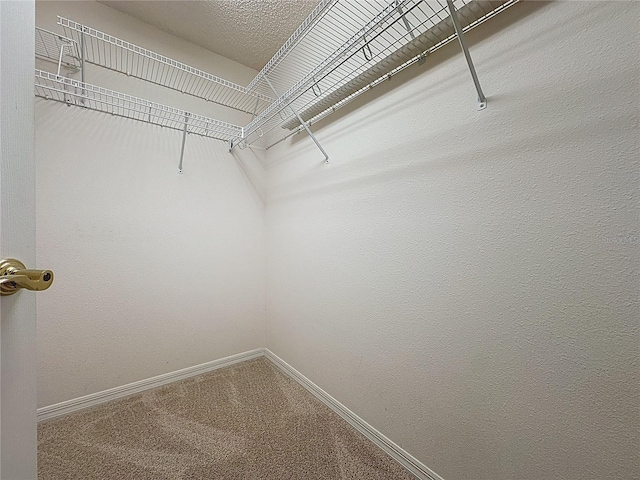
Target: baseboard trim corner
(93,399)
(404,458)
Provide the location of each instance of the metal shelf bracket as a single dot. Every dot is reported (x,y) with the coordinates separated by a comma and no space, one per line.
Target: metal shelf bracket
(184,139)
(482,100)
(324,65)
(303,123)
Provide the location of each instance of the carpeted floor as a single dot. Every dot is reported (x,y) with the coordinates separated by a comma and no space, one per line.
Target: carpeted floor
(248,421)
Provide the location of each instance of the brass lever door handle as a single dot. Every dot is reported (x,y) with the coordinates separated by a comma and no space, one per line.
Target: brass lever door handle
(14,276)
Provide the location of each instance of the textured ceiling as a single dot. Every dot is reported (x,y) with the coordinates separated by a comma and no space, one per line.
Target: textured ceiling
(247,31)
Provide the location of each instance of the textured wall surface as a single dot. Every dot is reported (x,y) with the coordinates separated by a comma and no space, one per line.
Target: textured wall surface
(465,281)
(155,271)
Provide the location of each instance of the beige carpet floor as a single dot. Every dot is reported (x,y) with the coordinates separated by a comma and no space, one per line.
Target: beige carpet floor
(248,421)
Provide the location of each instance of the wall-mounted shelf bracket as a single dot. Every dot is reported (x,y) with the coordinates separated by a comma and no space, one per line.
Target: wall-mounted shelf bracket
(58,49)
(184,139)
(482,100)
(324,65)
(62,47)
(83,56)
(303,123)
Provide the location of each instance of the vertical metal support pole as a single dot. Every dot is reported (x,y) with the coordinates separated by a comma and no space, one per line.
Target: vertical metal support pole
(303,123)
(482,100)
(60,59)
(67,98)
(82,57)
(184,138)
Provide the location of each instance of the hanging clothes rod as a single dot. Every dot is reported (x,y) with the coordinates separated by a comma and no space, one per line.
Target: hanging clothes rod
(341,50)
(342,95)
(398,33)
(304,84)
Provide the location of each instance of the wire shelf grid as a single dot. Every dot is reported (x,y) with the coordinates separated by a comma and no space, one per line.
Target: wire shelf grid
(399,33)
(352,96)
(343,49)
(74,92)
(286,48)
(116,54)
(331,39)
(57,48)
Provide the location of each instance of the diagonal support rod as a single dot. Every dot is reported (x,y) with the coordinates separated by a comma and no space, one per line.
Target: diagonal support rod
(407,25)
(482,100)
(184,138)
(303,123)
(62,47)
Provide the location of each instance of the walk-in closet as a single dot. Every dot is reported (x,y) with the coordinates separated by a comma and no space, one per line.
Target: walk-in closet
(319,239)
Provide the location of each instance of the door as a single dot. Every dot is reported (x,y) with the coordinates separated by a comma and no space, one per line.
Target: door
(18,445)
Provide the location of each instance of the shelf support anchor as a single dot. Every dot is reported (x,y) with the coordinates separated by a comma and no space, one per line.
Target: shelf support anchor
(303,123)
(184,138)
(482,100)
(67,98)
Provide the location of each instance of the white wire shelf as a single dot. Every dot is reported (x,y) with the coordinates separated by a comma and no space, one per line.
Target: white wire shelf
(352,47)
(322,7)
(58,49)
(343,49)
(116,54)
(74,92)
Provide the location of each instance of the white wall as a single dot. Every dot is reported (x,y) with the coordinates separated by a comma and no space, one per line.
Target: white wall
(155,271)
(465,281)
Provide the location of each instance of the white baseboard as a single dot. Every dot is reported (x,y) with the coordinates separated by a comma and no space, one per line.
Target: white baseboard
(400,455)
(94,399)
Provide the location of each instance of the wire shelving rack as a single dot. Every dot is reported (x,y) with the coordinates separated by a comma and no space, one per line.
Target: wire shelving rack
(75,92)
(58,49)
(305,27)
(343,49)
(116,54)
(351,48)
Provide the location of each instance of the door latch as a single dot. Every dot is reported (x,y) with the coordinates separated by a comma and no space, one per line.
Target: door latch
(14,276)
